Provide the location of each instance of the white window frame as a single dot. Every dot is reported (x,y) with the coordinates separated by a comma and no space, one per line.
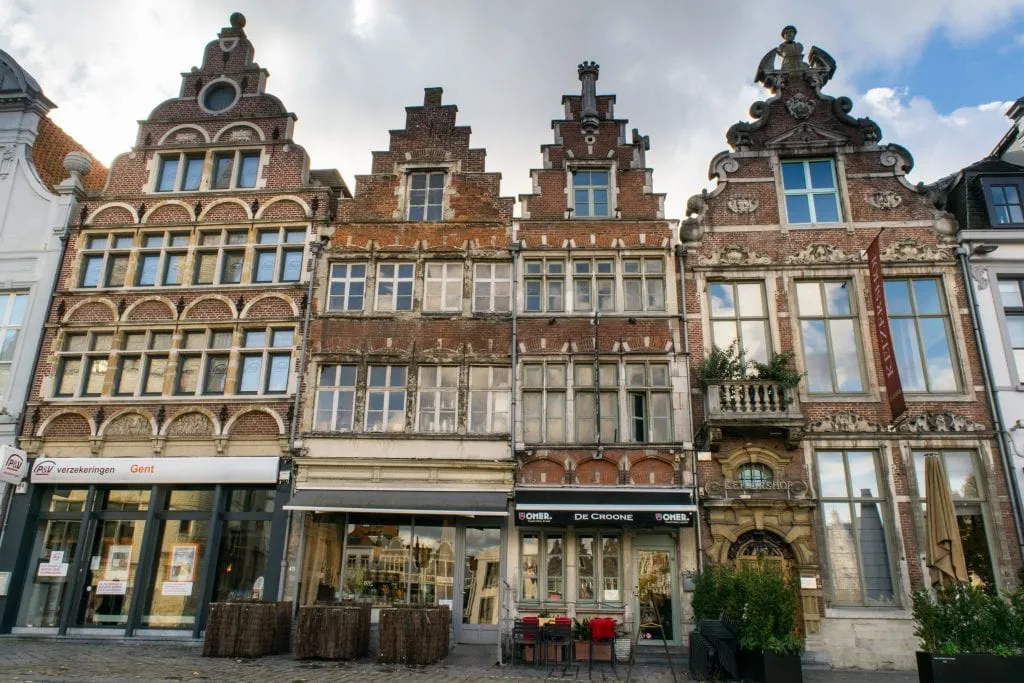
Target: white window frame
(486,388)
(827,317)
(396,280)
(428,175)
(647,390)
(485,285)
(551,272)
(346,281)
(432,385)
(542,565)
(944,315)
(589,275)
(738,317)
(550,394)
(590,189)
(387,389)
(10,333)
(450,283)
(810,192)
(333,392)
(646,275)
(584,395)
(599,581)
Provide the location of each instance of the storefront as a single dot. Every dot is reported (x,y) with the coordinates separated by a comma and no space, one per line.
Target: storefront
(406,547)
(609,552)
(133,546)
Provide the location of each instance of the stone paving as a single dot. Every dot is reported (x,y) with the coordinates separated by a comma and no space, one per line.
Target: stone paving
(78,661)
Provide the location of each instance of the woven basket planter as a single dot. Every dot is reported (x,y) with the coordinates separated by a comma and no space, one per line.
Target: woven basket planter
(414,635)
(247,629)
(333,631)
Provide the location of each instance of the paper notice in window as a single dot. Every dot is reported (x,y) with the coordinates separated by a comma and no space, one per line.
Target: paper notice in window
(611,595)
(111,588)
(51,569)
(56,557)
(176,588)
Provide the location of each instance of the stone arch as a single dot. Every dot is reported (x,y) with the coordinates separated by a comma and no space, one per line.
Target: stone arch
(235,125)
(166,139)
(283,208)
(662,468)
(204,305)
(597,472)
(754,454)
(226,213)
(264,307)
(128,424)
(150,309)
(192,422)
(92,310)
(74,424)
(169,211)
(760,542)
(532,467)
(116,212)
(233,422)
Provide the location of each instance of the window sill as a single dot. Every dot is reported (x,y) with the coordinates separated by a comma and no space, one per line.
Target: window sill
(935,398)
(895,613)
(142,289)
(840,398)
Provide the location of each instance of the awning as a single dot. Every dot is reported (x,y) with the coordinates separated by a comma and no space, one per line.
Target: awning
(461,503)
(604,507)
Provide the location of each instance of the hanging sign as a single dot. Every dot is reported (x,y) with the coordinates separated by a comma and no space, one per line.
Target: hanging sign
(893,386)
(13,465)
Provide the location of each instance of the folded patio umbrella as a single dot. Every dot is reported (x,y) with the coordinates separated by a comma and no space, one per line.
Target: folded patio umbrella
(945,552)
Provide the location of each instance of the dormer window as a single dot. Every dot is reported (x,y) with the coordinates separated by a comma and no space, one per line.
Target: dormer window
(180,172)
(810,189)
(590,193)
(1005,200)
(426,195)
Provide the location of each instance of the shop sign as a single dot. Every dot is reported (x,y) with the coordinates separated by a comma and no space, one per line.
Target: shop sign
(891,373)
(637,518)
(13,465)
(224,470)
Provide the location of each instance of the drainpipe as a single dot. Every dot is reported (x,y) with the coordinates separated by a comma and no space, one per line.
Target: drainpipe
(1005,449)
(681,270)
(514,249)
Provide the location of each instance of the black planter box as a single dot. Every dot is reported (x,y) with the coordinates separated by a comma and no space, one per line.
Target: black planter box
(761,666)
(933,668)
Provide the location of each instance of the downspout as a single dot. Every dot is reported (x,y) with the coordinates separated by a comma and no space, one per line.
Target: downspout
(1005,449)
(515,250)
(683,322)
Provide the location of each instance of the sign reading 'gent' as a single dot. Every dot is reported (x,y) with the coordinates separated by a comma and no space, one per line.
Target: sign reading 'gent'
(640,518)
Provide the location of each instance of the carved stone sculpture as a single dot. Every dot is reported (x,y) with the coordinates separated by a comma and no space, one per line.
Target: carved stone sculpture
(843,421)
(941,422)
(908,250)
(823,253)
(732,255)
(743,204)
(800,106)
(885,199)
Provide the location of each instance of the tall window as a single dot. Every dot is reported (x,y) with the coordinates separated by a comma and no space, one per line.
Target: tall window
(161,258)
(12,317)
(279,255)
(220,255)
(336,398)
(179,172)
(921,334)
(739,315)
(489,398)
(82,366)
(438,398)
(142,363)
(492,287)
(650,402)
(105,260)
(347,287)
(225,164)
(394,286)
(586,406)
(1004,200)
(590,193)
(969,504)
(385,398)
(599,568)
(266,361)
(1010,294)
(443,287)
(426,196)
(593,281)
(855,513)
(810,189)
(643,284)
(545,286)
(543,403)
(203,362)
(830,337)
(543,567)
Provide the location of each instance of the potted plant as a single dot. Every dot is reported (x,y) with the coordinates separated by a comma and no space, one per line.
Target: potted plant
(969,633)
(581,639)
(623,644)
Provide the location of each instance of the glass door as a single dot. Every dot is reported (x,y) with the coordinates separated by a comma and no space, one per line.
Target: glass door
(656,594)
(481,585)
(111,573)
(53,555)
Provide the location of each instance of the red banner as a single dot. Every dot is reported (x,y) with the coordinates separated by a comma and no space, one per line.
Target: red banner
(883,336)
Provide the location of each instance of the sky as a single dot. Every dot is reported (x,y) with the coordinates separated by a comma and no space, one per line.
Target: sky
(936,75)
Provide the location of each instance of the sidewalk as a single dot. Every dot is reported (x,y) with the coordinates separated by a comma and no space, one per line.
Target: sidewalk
(79,661)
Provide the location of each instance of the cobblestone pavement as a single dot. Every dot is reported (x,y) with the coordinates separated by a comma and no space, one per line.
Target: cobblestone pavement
(59,661)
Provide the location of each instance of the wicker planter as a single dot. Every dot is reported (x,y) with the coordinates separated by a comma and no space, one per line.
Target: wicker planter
(413,635)
(248,629)
(333,631)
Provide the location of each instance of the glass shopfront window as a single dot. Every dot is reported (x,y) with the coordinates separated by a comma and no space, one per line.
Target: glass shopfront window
(377,558)
(112,572)
(242,560)
(49,575)
(174,596)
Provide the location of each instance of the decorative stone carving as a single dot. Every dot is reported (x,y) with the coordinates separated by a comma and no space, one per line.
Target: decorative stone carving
(191,425)
(800,106)
(843,421)
(7,160)
(817,70)
(743,204)
(692,227)
(823,253)
(980,275)
(908,250)
(186,136)
(240,134)
(129,426)
(884,199)
(941,422)
(732,255)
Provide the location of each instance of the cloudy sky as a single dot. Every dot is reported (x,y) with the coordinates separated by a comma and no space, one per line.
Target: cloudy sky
(937,75)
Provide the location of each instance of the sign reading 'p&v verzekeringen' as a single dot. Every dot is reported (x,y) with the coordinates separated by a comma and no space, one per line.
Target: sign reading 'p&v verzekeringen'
(13,465)
(222,470)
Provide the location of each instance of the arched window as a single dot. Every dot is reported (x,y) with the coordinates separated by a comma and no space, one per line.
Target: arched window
(755,475)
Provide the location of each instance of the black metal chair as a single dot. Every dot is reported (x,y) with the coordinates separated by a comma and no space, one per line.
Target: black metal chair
(523,635)
(559,636)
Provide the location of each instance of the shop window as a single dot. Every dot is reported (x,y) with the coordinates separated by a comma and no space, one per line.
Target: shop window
(590,193)
(1003,197)
(242,560)
(438,398)
(443,287)
(489,399)
(831,340)
(142,363)
(599,568)
(220,256)
(185,499)
(174,594)
(856,514)
(1010,294)
(105,260)
(544,403)
(586,404)
(251,500)
(921,334)
(593,284)
(203,362)
(179,172)
(224,164)
(48,570)
(82,364)
(347,287)
(336,398)
(649,393)
(970,503)
(545,286)
(543,567)
(394,286)
(266,361)
(385,398)
(492,287)
(643,284)
(426,196)
(12,318)
(161,259)
(739,315)
(810,190)
(279,255)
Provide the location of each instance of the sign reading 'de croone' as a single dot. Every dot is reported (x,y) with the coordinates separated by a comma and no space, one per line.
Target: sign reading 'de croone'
(637,518)
(893,386)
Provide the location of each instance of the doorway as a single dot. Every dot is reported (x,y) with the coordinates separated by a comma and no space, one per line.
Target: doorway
(479,599)
(656,592)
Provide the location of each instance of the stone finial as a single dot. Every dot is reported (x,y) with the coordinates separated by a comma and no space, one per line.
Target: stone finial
(77,165)
(237,20)
(817,69)
(589,118)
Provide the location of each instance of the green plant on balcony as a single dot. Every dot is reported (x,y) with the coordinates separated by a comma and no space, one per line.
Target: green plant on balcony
(723,365)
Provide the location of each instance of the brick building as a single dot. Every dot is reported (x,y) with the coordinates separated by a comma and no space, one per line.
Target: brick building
(827,477)
(159,417)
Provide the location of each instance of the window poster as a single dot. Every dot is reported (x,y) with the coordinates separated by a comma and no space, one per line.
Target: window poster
(183,562)
(119,560)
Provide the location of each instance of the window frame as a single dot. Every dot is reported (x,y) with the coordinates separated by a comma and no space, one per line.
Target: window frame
(584,393)
(428,175)
(335,390)
(645,278)
(987,185)
(491,281)
(107,256)
(346,281)
(547,393)
(447,281)
(542,566)
(1007,313)
(183,160)
(237,157)
(167,250)
(737,317)
(439,391)
(85,358)
(647,390)
(146,356)
(386,389)
(12,300)
(267,354)
(281,249)
(591,189)
(396,280)
(221,251)
(945,314)
(587,272)
(545,277)
(206,355)
(809,191)
(826,317)
(489,395)
(598,556)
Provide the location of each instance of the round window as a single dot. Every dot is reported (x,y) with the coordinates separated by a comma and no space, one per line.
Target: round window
(219,97)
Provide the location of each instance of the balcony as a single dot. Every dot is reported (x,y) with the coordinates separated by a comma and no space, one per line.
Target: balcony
(736,402)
